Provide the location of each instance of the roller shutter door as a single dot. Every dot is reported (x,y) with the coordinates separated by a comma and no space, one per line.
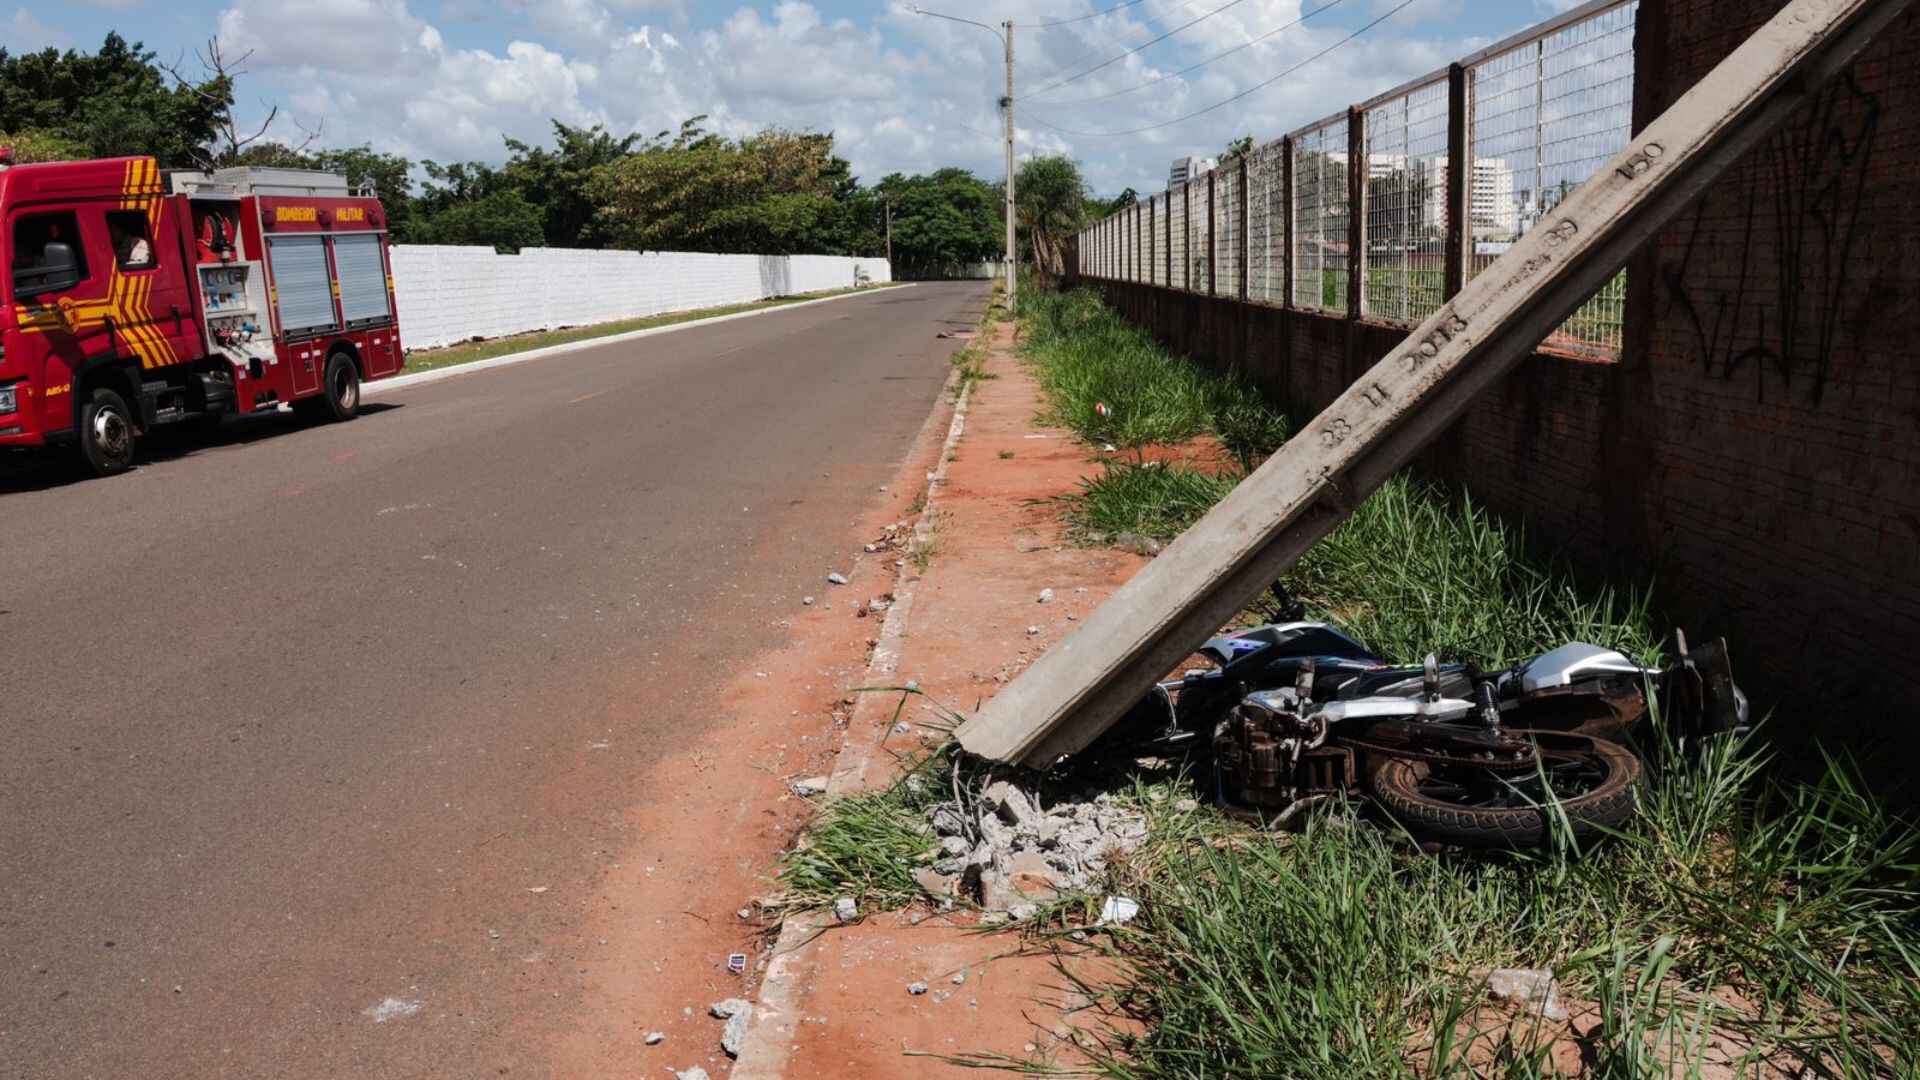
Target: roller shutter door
(300,278)
(363,277)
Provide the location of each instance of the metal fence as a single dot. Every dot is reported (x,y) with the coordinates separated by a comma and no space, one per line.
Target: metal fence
(1383,211)
(1406,230)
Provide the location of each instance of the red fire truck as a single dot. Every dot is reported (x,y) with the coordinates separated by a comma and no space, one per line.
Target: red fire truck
(132,299)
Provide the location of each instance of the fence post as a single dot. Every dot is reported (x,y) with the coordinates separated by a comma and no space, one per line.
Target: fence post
(1459,206)
(1287,220)
(1246,249)
(1187,237)
(1168,280)
(1213,239)
(1358,169)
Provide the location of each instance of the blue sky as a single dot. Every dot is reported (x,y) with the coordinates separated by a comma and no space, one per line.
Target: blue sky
(445,79)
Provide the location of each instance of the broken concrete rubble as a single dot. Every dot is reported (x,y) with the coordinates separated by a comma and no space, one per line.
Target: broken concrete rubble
(1008,847)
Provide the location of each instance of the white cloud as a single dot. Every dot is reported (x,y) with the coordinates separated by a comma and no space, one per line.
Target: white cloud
(900,92)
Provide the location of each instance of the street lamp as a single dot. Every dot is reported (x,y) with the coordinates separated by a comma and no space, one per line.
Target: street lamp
(1005,34)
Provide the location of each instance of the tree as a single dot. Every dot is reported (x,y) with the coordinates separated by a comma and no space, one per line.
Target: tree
(1237,148)
(1126,200)
(31,146)
(556,180)
(114,102)
(215,93)
(777,192)
(942,222)
(1051,205)
(503,219)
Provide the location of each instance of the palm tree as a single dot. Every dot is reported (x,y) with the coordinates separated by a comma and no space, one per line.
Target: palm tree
(1051,205)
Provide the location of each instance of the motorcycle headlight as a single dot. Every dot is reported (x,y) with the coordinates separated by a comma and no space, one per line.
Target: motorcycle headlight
(9,399)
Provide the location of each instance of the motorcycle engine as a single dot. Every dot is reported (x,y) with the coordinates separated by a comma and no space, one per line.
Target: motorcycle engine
(1271,750)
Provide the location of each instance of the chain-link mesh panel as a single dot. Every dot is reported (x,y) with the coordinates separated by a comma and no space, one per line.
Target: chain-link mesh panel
(1545,116)
(1228,226)
(1266,223)
(1178,196)
(1320,218)
(1407,205)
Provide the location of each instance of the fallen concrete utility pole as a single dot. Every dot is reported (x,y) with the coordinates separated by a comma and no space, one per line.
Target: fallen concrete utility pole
(1079,687)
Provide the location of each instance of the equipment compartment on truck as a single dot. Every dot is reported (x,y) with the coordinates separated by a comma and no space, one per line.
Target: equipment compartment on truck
(133,300)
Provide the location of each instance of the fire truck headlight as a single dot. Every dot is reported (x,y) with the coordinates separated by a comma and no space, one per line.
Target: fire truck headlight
(9,400)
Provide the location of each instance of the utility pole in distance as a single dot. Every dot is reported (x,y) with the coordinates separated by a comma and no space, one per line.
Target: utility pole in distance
(1005,34)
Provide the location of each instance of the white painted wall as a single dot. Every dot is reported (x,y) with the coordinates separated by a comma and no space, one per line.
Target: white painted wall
(448,294)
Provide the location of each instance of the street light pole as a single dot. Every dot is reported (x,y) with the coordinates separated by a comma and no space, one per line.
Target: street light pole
(1013,250)
(1006,107)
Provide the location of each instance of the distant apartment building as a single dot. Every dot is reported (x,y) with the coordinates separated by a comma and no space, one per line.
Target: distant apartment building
(1187,169)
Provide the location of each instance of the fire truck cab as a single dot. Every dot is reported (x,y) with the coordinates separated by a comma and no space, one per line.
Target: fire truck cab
(129,300)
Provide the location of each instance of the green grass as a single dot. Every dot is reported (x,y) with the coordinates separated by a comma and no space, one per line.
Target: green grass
(1151,500)
(1740,918)
(1086,356)
(468,352)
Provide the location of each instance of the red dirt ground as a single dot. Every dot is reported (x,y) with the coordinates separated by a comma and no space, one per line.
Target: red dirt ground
(999,544)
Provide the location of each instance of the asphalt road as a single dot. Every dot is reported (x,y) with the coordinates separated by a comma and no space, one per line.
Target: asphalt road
(265,700)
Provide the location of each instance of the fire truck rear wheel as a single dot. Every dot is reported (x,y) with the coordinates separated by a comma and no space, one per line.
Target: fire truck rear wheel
(106,433)
(341,388)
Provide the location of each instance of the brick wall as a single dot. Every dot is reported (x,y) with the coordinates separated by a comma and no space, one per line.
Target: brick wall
(1768,396)
(1757,445)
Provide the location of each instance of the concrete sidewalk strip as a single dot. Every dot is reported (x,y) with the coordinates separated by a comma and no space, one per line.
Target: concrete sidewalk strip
(421,378)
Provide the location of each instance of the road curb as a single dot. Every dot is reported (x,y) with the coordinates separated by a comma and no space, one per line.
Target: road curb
(776,1013)
(421,378)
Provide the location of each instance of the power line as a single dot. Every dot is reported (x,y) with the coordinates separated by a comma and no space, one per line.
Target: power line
(1196,67)
(1223,104)
(1091,14)
(1114,60)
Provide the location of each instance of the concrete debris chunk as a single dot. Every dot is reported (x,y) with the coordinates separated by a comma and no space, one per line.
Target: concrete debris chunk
(916,988)
(1046,597)
(845,909)
(655,1038)
(1530,990)
(734,1035)
(933,882)
(811,786)
(1014,805)
(837,578)
(731,1007)
(949,821)
(808,600)
(695,1073)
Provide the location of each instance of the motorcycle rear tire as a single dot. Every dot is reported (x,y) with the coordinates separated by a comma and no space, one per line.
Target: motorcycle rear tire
(1398,785)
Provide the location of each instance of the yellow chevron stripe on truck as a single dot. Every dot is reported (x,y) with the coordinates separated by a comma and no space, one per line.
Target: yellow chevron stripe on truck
(126,302)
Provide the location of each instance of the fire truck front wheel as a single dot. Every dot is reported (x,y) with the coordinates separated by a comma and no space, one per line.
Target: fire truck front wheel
(106,433)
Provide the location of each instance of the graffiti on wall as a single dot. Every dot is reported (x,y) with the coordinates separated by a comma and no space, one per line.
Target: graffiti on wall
(1778,317)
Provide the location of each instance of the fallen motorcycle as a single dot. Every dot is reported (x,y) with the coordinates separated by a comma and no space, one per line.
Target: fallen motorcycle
(1299,711)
